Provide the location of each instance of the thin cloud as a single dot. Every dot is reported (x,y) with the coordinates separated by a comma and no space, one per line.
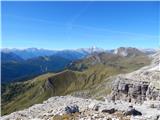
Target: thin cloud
(70,26)
(115,31)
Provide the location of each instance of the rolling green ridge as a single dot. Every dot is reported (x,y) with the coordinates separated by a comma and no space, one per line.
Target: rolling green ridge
(88,77)
(112,60)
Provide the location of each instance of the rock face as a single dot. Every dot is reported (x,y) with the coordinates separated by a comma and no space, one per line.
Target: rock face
(138,86)
(129,91)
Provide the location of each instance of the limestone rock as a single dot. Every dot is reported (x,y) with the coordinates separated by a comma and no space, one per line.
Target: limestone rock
(71,109)
(132,111)
(140,85)
(110,111)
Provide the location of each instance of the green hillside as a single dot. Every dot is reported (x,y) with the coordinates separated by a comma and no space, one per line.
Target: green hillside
(125,64)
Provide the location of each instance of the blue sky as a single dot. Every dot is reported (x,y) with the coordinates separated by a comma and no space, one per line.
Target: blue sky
(71,25)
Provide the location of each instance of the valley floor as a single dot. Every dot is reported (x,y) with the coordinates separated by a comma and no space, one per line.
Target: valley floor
(55,106)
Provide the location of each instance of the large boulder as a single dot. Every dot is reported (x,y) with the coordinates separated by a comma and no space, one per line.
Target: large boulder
(110,111)
(71,109)
(132,111)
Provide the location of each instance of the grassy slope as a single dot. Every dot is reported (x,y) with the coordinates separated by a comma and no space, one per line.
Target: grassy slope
(93,80)
(23,94)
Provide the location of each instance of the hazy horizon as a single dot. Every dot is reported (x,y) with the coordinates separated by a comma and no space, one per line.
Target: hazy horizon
(75,48)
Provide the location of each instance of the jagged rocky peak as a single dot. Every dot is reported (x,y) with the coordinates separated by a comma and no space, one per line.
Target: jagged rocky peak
(127,51)
(140,85)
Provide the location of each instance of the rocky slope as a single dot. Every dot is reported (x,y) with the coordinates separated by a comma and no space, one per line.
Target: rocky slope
(141,85)
(89,109)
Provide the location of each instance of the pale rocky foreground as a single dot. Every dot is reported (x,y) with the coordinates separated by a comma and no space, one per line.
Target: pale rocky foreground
(56,105)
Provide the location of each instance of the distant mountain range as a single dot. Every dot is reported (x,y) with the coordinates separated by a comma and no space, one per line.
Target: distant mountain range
(29,52)
(73,54)
(34,52)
